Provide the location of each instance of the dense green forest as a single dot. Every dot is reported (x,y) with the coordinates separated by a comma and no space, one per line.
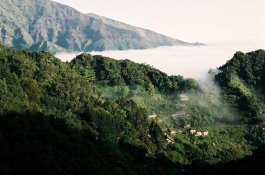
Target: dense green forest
(54,121)
(243,82)
(97,115)
(108,71)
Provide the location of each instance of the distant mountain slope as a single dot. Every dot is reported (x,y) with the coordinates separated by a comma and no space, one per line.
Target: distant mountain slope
(50,26)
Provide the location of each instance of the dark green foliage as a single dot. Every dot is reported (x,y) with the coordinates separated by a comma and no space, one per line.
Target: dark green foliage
(32,143)
(249,67)
(38,144)
(253,164)
(54,121)
(157,135)
(112,72)
(242,79)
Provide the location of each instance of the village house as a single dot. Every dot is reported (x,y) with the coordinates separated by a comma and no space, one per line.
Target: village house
(174,131)
(198,134)
(169,139)
(179,105)
(152,116)
(205,133)
(192,131)
(184,97)
(180,114)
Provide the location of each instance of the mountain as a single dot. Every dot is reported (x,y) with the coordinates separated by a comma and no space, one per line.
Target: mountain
(50,26)
(55,118)
(54,121)
(111,72)
(243,82)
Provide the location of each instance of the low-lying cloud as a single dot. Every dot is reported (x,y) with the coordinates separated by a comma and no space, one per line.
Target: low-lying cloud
(191,62)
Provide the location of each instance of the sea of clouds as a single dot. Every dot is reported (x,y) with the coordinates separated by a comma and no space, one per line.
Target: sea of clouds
(193,62)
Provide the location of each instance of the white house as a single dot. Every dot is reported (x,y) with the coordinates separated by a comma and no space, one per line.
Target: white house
(198,134)
(184,97)
(192,131)
(205,133)
(152,116)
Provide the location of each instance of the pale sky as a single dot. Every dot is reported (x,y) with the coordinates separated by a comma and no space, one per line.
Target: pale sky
(206,21)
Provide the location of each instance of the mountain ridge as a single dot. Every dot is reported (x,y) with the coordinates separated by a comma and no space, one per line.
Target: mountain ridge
(50,26)
(55,118)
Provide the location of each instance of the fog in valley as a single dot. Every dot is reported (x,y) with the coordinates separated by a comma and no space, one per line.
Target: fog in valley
(190,62)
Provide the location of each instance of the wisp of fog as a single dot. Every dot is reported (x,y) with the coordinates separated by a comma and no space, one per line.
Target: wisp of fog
(190,62)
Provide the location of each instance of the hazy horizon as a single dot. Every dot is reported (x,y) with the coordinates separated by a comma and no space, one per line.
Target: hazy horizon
(225,26)
(207,21)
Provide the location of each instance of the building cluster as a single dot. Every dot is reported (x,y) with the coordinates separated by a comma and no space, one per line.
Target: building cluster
(182,108)
(169,135)
(195,132)
(199,133)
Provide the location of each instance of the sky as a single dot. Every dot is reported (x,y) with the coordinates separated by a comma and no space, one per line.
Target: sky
(207,21)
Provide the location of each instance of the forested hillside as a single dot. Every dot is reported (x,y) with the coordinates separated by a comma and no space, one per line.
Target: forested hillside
(97,115)
(243,82)
(108,71)
(253,164)
(53,121)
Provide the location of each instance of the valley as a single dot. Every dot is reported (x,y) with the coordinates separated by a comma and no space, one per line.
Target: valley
(85,94)
(125,107)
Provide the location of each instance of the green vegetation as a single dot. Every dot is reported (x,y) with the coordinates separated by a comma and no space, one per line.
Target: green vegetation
(206,110)
(52,118)
(155,103)
(242,81)
(107,71)
(97,115)
(253,164)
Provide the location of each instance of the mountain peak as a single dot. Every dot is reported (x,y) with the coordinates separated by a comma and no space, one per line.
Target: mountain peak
(35,24)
